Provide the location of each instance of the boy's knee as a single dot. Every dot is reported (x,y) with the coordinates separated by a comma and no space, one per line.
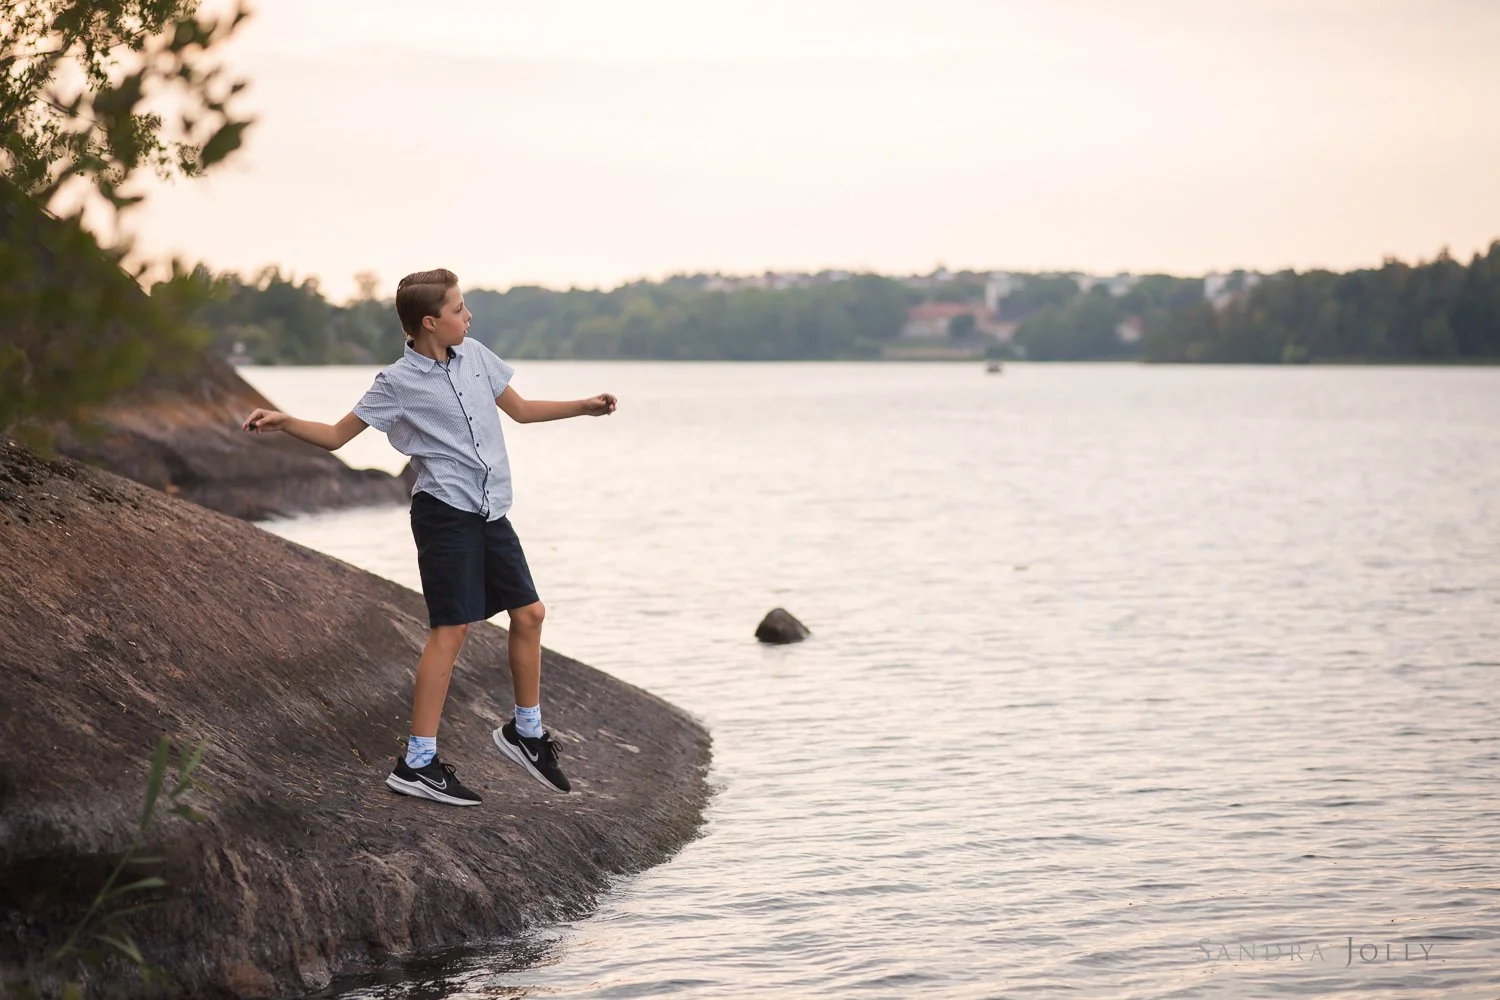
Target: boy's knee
(450,635)
(529,617)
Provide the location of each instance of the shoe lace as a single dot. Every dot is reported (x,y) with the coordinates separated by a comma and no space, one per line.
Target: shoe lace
(550,749)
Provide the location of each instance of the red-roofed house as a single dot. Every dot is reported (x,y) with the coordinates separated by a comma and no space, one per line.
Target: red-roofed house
(931,321)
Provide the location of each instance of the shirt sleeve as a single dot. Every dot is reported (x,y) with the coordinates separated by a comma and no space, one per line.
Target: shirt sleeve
(378,407)
(497,371)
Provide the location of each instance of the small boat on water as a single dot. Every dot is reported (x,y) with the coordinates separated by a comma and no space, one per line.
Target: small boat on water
(994,368)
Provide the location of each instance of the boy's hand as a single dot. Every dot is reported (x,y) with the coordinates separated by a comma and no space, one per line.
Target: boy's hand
(601,405)
(263,420)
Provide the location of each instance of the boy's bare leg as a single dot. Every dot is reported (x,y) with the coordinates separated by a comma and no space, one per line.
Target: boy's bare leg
(525,649)
(433,672)
(420,771)
(519,739)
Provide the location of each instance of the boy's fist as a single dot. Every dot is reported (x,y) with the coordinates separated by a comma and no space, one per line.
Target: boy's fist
(601,405)
(263,420)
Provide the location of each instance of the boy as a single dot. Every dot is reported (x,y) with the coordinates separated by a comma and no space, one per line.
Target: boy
(438,406)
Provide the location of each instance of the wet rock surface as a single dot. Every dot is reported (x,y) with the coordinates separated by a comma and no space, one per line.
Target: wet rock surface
(779,627)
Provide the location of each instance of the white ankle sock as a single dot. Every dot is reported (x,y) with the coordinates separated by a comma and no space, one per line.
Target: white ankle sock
(420,750)
(529,721)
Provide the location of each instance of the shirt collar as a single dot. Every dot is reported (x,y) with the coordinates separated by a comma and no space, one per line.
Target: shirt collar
(422,362)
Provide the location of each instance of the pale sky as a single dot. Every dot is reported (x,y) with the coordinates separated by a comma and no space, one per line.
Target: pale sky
(594,141)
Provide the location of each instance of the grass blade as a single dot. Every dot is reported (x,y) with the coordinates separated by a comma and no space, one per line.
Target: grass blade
(153,784)
(124,946)
(150,882)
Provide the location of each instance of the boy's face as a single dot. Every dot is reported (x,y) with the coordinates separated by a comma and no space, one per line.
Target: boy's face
(451,324)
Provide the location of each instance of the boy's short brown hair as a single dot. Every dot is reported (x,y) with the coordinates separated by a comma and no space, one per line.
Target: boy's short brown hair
(421,294)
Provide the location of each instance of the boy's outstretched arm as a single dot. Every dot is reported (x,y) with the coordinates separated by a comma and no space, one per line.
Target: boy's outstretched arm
(330,436)
(530,411)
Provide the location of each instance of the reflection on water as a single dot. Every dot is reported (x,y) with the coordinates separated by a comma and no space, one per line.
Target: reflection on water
(466,974)
(1123,680)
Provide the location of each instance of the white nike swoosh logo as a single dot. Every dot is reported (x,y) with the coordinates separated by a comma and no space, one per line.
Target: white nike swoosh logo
(442,788)
(534,756)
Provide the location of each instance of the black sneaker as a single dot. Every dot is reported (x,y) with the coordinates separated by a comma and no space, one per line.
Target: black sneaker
(435,781)
(538,756)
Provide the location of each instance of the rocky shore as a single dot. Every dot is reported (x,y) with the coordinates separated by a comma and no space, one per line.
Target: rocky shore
(181,434)
(126,613)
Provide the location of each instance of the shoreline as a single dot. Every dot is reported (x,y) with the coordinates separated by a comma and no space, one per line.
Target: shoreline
(980,360)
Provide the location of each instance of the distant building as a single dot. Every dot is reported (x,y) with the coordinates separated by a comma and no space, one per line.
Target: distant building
(774,280)
(999,286)
(925,282)
(933,320)
(1130,330)
(791,280)
(735,283)
(1222,289)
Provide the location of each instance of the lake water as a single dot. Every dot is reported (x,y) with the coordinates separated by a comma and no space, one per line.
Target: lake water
(1124,681)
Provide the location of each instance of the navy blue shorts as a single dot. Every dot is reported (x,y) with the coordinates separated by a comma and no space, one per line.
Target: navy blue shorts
(472,569)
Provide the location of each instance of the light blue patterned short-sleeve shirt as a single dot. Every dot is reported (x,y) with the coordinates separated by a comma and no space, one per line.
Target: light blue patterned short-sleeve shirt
(443,416)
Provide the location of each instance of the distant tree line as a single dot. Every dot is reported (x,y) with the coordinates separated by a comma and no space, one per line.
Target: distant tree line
(1060,323)
(276,319)
(1435,311)
(1438,311)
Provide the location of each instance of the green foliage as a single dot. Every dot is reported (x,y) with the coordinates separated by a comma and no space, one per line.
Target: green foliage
(276,320)
(679,320)
(1420,312)
(962,326)
(1037,293)
(961,288)
(102,934)
(1437,311)
(73,77)
(75,329)
(1085,326)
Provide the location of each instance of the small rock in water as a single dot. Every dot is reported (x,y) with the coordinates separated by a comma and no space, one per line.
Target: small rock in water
(778,626)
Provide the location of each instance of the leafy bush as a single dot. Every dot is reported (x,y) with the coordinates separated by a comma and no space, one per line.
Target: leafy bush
(75,328)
